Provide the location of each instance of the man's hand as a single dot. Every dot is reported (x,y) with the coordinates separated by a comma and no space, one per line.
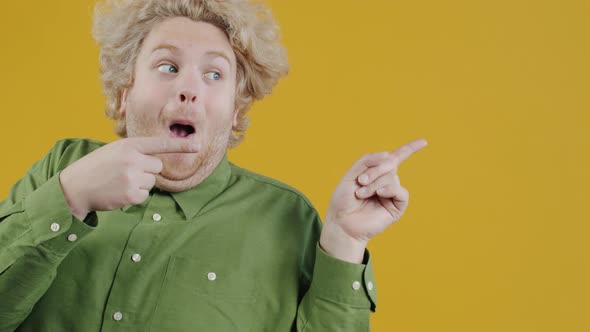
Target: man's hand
(368,199)
(117,174)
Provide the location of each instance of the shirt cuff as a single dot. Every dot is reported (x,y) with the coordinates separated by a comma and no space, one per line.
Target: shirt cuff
(51,221)
(344,282)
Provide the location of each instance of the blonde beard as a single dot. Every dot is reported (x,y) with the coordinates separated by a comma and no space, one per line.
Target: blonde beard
(203,167)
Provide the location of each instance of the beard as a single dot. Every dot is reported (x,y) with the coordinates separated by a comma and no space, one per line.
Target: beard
(182,171)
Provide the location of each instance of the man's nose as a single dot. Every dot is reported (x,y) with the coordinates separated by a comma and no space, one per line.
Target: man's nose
(187,97)
(189,85)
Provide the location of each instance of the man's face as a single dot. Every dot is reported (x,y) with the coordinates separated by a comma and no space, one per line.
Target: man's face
(184,87)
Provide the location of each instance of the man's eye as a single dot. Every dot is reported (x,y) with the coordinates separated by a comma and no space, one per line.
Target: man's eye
(167,69)
(214,75)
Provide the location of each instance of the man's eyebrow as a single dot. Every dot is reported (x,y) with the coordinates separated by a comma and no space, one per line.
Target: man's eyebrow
(169,47)
(174,49)
(219,54)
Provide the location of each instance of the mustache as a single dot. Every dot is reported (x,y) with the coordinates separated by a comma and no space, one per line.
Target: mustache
(182,113)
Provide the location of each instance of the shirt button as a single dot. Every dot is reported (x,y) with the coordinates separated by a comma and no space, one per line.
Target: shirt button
(370,285)
(117,316)
(54,227)
(157,217)
(211,276)
(136,257)
(356,285)
(72,237)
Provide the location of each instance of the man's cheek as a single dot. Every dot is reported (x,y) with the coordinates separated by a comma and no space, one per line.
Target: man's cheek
(155,94)
(221,96)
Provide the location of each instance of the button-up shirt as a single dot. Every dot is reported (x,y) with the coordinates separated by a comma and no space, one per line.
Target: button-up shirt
(238,252)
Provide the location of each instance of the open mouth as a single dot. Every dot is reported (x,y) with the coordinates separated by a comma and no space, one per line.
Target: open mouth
(181,130)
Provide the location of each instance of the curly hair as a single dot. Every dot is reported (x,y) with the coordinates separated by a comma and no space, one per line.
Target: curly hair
(120,27)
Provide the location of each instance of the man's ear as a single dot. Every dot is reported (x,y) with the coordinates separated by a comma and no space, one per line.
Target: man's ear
(235,123)
(123,106)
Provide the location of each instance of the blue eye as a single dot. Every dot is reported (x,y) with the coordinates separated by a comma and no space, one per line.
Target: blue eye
(216,76)
(167,69)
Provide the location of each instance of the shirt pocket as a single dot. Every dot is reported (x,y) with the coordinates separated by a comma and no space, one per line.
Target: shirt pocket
(205,295)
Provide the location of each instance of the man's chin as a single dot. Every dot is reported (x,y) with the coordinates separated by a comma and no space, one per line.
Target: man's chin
(178,166)
(171,185)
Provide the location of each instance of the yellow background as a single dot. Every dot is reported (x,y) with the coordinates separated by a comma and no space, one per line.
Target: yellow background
(495,237)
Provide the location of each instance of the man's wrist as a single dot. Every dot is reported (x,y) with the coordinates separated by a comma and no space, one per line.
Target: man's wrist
(336,243)
(76,208)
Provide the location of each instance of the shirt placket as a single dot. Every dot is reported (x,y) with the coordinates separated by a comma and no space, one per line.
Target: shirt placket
(141,269)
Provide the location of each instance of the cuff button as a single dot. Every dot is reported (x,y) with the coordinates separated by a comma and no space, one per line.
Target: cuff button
(356,285)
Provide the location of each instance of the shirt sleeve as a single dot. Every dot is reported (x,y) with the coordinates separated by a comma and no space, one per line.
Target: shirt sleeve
(341,296)
(37,230)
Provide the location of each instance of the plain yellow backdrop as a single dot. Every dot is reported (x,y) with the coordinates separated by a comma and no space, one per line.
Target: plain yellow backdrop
(495,237)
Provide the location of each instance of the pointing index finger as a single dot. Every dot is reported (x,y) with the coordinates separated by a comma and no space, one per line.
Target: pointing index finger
(402,153)
(153,145)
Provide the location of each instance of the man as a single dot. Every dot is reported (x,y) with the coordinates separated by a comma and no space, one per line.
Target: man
(158,231)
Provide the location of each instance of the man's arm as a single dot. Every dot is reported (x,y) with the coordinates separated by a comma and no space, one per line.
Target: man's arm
(341,295)
(37,230)
(368,199)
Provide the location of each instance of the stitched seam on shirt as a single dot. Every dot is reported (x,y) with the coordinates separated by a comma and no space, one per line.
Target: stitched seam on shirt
(199,214)
(310,313)
(356,306)
(35,167)
(73,142)
(262,180)
(259,178)
(29,230)
(160,293)
(299,195)
(345,302)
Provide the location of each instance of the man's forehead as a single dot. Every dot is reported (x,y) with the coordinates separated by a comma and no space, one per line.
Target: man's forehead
(208,50)
(183,35)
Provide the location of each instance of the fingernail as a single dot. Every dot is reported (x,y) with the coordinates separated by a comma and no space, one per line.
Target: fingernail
(362,192)
(363,179)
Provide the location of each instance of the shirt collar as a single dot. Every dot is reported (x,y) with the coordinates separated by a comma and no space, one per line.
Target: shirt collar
(191,201)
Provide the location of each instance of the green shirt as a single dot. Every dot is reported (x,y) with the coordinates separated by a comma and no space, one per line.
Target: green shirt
(239,252)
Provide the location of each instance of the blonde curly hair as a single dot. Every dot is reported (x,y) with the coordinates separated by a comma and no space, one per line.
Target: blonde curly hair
(120,27)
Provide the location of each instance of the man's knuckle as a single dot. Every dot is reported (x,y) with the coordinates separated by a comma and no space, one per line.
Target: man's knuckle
(390,159)
(133,197)
(127,162)
(367,157)
(128,177)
